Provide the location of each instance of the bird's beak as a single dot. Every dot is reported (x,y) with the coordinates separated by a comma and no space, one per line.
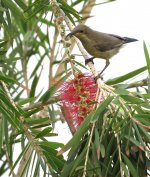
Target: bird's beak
(69,35)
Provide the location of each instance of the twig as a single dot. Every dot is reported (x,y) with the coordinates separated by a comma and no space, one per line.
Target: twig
(88,149)
(131,117)
(86,11)
(8,94)
(137,84)
(24,69)
(119,154)
(41,105)
(24,161)
(52,56)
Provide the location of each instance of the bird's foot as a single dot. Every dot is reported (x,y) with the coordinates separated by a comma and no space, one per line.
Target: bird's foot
(89,60)
(98,76)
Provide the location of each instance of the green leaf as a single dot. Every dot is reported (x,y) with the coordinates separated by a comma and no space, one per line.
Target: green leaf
(33,121)
(124,168)
(121,91)
(78,63)
(146,96)
(130,166)
(70,18)
(35,8)
(96,138)
(6,28)
(37,66)
(49,93)
(12,120)
(21,4)
(37,168)
(143,118)
(25,101)
(57,162)
(132,100)
(15,10)
(44,132)
(2,9)
(8,16)
(145,133)
(67,168)
(126,76)
(6,101)
(75,141)
(1,133)
(139,137)
(29,113)
(66,8)
(23,152)
(7,143)
(77,161)
(102,107)
(34,85)
(147,57)
(2,52)
(77,2)
(73,165)
(102,150)
(3,43)
(134,141)
(6,78)
(53,145)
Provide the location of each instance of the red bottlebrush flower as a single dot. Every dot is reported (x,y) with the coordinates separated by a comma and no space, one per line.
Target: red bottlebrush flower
(76,98)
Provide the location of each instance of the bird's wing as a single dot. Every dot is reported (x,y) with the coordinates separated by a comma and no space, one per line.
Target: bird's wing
(124,39)
(116,36)
(106,47)
(106,42)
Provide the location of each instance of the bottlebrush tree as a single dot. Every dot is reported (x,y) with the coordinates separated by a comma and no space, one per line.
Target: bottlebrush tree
(43,84)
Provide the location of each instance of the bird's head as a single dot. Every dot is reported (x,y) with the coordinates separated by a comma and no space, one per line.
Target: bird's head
(79,31)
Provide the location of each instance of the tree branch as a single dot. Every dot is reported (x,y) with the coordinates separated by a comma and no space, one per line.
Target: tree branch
(41,105)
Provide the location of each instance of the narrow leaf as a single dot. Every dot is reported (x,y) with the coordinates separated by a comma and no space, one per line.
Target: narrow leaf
(130,166)
(34,85)
(44,132)
(102,107)
(126,76)
(78,135)
(132,100)
(147,57)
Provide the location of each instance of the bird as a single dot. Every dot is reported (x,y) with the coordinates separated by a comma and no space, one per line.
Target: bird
(98,44)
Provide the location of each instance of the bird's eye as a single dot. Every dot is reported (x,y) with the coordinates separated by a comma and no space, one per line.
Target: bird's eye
(81,31)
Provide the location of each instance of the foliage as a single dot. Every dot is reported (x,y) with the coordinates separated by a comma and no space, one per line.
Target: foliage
(113,140)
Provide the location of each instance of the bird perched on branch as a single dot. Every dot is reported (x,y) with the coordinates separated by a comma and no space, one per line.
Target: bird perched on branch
(98,44)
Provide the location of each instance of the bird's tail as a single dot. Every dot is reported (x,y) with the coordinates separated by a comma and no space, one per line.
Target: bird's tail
(127,39)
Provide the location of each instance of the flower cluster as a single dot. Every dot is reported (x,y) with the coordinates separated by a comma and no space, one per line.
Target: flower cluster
(77,97)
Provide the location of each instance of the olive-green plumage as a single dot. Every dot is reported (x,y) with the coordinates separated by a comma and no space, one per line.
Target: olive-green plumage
(98,44)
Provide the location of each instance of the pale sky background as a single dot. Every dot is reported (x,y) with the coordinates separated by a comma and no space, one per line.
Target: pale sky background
(128,18)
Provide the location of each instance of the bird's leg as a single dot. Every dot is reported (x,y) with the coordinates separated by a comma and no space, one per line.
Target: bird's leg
(89,60)
(99,75)
(106,65)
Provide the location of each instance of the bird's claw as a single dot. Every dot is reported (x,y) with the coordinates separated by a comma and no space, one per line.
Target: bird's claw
(89,60)
(97,77)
